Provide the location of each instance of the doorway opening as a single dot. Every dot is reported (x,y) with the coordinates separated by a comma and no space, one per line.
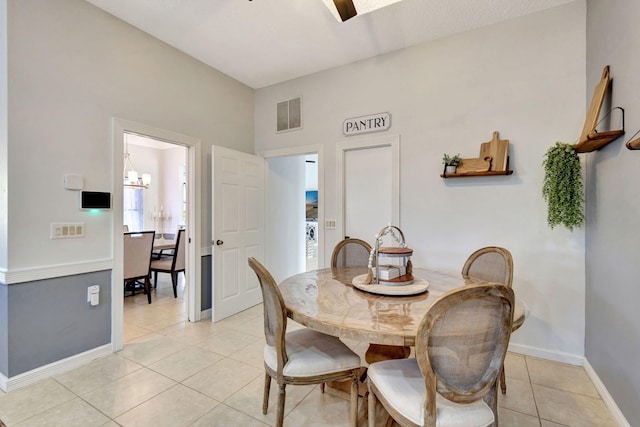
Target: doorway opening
(311,211)
(159,204)
(147,208)
(294,210)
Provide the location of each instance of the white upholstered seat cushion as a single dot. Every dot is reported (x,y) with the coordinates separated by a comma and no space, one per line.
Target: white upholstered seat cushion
(312,353)
(401,384)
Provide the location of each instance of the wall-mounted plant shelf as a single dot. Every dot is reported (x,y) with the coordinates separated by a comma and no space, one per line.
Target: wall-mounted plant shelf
(469,174)
(493,160)
(591,139)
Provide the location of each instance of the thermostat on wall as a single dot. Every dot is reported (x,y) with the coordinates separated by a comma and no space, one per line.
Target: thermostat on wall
(73,181)
(95,200)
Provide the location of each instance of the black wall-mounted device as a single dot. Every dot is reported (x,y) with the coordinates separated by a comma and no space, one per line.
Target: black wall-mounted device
(95,200)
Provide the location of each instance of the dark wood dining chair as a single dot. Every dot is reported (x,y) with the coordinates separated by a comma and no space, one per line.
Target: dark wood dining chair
(493,264)
(137,259)
(303,356)
(453,380)
(351,252)
(173,265)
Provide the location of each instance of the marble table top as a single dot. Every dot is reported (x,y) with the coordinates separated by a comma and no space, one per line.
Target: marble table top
(326,301)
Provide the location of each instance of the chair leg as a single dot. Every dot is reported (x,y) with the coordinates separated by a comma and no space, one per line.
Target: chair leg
(355,381)
(265,398)
(372,408)
(503,381)
(155,279)
(147,287)
(174,282)
(282,395)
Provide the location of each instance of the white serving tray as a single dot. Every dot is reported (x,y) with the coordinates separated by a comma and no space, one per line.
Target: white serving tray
(417,287)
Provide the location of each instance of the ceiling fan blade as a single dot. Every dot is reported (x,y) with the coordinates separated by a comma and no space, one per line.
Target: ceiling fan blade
(346,9)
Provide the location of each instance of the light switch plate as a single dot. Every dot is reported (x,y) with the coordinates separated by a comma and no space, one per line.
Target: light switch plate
(67,230)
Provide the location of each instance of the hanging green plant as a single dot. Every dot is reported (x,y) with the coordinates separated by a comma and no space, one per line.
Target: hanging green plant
(562,187)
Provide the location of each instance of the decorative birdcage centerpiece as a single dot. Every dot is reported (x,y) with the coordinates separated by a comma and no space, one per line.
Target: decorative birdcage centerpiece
(390,265)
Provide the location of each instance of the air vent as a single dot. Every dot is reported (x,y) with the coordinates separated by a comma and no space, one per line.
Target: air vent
(289,115)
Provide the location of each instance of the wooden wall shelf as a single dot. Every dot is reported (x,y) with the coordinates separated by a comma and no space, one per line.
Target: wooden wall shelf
(467,174)
(591,139)
(485,173)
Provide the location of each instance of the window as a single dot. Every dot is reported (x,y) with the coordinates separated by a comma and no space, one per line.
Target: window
(133,215)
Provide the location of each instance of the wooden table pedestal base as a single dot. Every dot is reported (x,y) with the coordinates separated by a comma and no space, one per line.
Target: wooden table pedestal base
(375,353)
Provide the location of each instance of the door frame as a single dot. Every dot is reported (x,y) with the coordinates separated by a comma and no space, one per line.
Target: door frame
(302,150)
(194,220)
(342,147)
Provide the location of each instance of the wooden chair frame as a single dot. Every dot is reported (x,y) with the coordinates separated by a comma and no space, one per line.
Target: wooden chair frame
(275,327)
(508,281)
(339,247)
(485,389)
(506,255)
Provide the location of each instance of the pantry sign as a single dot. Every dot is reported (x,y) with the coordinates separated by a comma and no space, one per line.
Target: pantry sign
(366,124)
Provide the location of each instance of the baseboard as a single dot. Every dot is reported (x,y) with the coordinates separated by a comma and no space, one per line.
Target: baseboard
(206,314)
(52,369)
(618,416)
(555,356)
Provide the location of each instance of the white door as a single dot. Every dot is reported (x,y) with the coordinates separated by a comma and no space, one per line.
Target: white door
(369,186)
(237,229)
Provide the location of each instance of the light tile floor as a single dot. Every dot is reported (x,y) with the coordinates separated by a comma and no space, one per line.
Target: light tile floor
(175,373)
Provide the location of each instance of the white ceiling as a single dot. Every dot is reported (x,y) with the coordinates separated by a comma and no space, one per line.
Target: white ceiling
(263,42)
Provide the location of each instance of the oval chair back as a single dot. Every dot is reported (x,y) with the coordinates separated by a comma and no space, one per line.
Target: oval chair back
(490,264)
(351,253)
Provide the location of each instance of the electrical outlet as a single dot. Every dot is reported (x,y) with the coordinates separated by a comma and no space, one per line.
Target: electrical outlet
(71,230)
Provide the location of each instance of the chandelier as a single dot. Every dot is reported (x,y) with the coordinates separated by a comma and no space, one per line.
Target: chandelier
(130,176)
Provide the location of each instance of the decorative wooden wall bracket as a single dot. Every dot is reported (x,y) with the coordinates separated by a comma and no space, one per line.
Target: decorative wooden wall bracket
(633,144)
(591,139)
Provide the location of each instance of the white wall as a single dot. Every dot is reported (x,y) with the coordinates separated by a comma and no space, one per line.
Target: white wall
(72,67)
(174,159)
(613,210)
(165,189)
(285,216)
(524,78)
(4,152)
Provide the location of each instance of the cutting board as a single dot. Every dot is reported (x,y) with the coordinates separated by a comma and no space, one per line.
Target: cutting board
(474,165)
(498,150)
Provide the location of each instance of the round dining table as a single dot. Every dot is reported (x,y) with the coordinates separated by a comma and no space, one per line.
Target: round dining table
(325,300)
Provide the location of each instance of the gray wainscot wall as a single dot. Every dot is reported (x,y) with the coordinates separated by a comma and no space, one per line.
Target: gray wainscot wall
(45,321)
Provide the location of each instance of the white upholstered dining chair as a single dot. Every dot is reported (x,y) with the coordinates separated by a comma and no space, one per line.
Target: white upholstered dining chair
(460,347)
(303,356)
(137,259)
